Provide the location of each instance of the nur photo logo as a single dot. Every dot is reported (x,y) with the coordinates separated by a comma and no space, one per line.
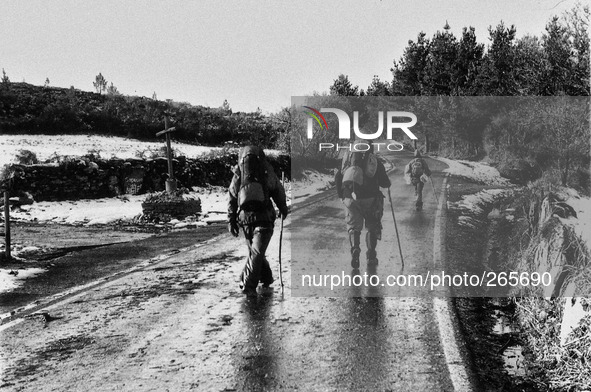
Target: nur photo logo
(315,114)
(392,120)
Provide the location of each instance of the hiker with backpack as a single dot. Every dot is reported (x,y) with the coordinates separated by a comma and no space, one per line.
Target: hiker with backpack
(416,170)
(358,184)
(253,186)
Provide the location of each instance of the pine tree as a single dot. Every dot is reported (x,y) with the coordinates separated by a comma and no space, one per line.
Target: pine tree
(100,83)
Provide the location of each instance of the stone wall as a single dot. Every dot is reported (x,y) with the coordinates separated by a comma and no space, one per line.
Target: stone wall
(83,178)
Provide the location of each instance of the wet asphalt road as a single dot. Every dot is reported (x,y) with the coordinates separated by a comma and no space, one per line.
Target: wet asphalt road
(180,324)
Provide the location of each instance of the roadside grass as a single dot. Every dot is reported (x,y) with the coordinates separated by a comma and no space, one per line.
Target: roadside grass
(565,367)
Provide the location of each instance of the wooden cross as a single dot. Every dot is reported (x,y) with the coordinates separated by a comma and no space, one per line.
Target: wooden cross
(170,183)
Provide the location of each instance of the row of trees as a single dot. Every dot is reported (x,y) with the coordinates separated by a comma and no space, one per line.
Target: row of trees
(555,64)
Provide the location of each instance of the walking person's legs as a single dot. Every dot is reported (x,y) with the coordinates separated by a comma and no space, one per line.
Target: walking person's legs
(354,220)
(373,223)
(256,267)
(354,241)
(419,192)
(266,273)
(371,240)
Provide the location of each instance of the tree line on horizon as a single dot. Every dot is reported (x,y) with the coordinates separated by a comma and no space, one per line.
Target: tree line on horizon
(29,109)
(557,63)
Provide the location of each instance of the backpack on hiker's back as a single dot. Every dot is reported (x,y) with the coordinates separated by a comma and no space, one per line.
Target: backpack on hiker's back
(253,194)
(416,168)
(356,167)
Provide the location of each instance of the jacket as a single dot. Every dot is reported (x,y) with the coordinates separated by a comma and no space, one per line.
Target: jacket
(426,170)
(263,216)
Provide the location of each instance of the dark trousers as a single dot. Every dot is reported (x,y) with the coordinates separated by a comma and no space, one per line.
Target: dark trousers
(257,267)
(418,191)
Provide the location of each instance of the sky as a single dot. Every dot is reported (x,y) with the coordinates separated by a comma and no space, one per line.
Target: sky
(255,54)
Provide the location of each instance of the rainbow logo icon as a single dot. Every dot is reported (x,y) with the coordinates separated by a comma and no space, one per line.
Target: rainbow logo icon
(315,113)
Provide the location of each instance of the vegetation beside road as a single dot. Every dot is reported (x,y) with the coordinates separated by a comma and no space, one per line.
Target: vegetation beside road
(515,342)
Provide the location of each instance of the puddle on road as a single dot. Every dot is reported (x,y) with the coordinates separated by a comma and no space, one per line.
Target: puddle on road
(512,354)
(513,358)
(505,325)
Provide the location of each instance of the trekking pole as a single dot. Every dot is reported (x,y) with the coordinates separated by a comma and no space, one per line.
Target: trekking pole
(435,193)
(281,237)
(395,227)
(7,225)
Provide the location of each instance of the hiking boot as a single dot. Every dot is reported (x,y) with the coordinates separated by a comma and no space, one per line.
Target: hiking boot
(267,282)
(371,257)
(266,287)
(266,277)
(248,291)
(354,239)
(267,290)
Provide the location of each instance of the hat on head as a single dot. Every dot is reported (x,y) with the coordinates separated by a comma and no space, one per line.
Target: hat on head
(250,149)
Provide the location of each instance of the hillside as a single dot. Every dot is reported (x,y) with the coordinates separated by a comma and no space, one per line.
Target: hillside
(29,109)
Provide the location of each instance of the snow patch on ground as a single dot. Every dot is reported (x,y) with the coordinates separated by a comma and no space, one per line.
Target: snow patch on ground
(468,221)
(46,146)
(477,171)
(582,205)
(19,252)
(89,212)
(474,203)
(313,183)
(10,282)
(490,176)
(109,210)
(214,207)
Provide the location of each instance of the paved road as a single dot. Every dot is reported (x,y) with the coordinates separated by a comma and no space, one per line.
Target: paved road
(181,324)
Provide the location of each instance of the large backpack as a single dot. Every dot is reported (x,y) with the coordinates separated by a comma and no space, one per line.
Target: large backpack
(416,168)
(253,194)
(357,166)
